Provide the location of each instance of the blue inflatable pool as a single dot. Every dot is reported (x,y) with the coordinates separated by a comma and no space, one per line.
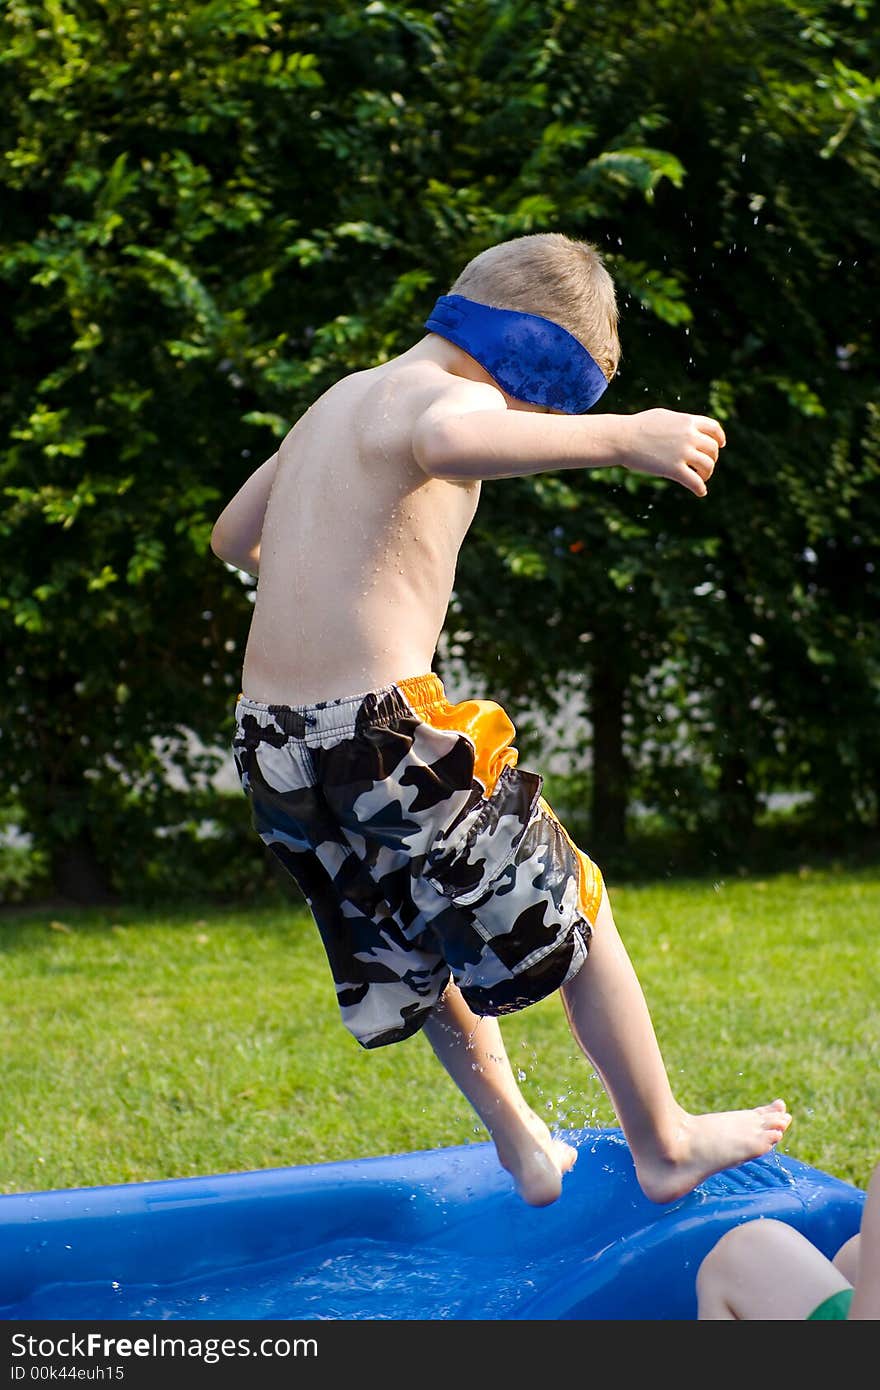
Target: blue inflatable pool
(430,1235)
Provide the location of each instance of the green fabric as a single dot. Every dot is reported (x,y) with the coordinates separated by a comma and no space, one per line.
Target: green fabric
(833,1309)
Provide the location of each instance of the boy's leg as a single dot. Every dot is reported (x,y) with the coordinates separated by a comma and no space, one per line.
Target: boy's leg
(767,1271)
(473,1053)
(672,1150)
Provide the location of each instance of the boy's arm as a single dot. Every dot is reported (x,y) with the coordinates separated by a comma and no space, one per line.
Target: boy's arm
(469,433)
(236,534)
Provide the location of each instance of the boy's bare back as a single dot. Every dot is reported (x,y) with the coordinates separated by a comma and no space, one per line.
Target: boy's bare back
(359,544)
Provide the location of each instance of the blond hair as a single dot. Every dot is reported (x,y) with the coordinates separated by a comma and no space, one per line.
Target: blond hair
(555,276)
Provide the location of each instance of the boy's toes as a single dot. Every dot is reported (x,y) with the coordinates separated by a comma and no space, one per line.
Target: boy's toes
(564,1155)
(776,1113)
(775,1120)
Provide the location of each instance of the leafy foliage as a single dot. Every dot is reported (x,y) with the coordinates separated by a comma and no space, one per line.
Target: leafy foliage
(212,209)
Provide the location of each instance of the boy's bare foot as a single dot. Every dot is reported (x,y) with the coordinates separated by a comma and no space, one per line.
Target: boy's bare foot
(706,1144)
(535,1160)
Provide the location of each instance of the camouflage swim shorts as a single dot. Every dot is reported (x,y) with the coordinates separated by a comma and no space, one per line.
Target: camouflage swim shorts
(424,852)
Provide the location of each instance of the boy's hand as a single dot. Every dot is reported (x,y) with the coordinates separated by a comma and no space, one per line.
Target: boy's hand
(672,444)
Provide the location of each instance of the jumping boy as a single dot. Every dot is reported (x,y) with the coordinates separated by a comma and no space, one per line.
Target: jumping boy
(445,890)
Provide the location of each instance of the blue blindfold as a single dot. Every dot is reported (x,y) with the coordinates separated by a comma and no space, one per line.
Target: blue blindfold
(531,358)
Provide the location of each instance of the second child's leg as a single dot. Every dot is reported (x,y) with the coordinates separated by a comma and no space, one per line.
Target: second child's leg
(764,1271)
(673,1150)
(473,1053)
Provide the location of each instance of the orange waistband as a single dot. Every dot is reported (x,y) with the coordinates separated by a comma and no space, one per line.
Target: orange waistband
(423,692)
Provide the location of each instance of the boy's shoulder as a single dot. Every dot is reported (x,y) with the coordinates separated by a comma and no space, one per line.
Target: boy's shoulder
(423,382)
(383,406)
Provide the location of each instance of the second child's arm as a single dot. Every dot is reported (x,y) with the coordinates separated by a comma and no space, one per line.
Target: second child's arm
(469,433)
(866,1299)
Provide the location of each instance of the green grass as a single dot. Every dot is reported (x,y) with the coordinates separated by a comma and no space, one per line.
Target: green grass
(144,1045)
